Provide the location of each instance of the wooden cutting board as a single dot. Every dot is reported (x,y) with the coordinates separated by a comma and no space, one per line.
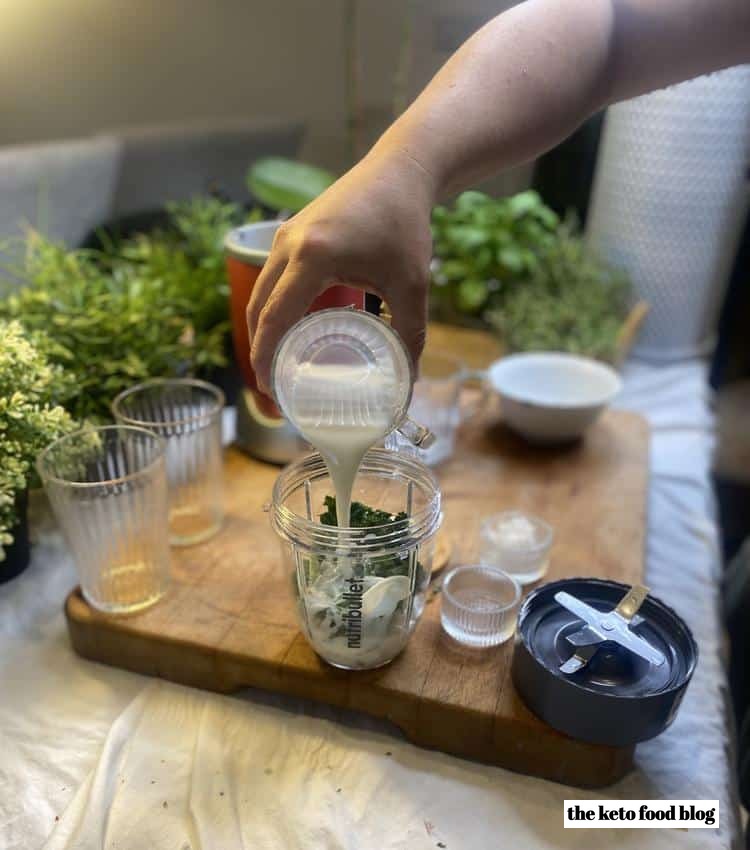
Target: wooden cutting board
(228,620)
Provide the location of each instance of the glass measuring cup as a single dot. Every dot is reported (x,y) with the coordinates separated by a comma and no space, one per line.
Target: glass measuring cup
(343,369)
(358,592)
(438,404)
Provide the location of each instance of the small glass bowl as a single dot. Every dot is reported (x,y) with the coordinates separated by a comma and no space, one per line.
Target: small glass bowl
(528,561)
(479,605)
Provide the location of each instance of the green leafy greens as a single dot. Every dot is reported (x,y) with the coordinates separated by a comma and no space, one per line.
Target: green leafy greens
(361,516)
(512,265)
(382,522)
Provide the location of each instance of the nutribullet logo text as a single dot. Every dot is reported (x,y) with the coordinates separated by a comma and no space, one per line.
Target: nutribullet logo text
(353,616)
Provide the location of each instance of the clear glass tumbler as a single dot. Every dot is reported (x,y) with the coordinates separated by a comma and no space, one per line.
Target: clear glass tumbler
(108,490)
(187,414)
(479,605)
(358,592)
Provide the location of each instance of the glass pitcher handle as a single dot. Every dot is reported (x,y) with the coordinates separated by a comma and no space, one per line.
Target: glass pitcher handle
(417,435)
(481,402)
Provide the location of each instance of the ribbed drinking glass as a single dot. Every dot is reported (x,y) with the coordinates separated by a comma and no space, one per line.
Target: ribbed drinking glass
(108,490)
(479,605)
(187,414)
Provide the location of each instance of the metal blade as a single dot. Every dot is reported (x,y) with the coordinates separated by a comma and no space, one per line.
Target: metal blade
(628,606)
(582,636)
(575,606)
(580,658)
(640,647)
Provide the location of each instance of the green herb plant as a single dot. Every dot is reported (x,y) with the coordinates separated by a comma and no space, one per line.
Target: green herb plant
(511,265)
(31,416)
(572,302)
(485,248)
(151,305)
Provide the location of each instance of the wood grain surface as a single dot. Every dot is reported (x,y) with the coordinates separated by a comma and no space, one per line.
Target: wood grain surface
(228,621)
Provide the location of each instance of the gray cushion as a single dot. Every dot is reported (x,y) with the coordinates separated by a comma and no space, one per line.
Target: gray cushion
(63,189)
(175,162)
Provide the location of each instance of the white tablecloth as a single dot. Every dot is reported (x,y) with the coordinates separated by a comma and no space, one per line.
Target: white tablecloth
(92,757)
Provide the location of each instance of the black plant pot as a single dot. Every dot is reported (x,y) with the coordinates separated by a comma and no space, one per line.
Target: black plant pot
(228,379)
(18,554)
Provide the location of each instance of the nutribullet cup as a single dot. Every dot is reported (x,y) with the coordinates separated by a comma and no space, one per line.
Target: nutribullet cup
(262,431)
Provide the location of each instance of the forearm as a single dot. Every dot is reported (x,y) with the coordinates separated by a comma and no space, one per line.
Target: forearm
(530,76)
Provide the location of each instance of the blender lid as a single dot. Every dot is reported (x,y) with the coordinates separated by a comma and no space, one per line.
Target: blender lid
(606,638)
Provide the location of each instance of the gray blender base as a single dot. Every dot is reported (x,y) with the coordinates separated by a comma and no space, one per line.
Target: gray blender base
(271,440)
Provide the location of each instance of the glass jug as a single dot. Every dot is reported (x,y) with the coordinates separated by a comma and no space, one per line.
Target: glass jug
(343,369)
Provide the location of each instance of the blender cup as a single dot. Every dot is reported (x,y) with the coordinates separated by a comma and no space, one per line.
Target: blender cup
(358,592)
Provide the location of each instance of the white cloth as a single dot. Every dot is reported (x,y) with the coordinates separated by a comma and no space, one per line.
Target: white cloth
(128,763)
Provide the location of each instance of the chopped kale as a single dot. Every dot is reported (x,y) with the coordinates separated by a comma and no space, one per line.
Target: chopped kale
(361,515)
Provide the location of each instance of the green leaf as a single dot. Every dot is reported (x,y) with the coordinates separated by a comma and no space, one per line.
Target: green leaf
(471,200)
(472,295)
(284,184)
(524,203)
(548,217)
(511,259)
(439,214)
(155,304)
(455,270)
(467,238)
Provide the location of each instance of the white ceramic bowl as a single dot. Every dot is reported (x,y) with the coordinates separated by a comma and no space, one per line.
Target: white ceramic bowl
(552,397)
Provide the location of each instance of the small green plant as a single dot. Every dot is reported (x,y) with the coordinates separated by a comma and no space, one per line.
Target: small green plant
(151,305)
(572,302)
(485,247)
(512,265)
(31,416)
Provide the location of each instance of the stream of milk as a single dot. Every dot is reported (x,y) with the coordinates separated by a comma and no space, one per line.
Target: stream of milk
(343,411)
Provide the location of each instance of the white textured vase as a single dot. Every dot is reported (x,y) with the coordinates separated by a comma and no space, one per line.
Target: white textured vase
(669,200)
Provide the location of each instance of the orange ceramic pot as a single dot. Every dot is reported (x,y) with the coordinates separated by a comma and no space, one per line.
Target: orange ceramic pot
(264,432)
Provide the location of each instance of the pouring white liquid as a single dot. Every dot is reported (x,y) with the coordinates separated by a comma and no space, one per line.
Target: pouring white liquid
(343,378)
(343,431)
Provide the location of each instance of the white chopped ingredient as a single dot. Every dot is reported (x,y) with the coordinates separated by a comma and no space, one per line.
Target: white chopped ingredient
(514,532)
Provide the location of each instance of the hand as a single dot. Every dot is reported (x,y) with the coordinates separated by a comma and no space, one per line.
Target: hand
(371,230)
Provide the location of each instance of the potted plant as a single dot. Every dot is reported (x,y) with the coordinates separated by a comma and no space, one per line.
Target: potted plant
(485,248)
(30,418)
(148,305)
(511,265)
